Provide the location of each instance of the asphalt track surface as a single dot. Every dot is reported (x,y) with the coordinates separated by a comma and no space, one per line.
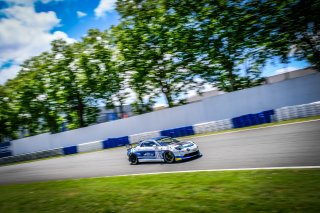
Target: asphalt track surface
(286,145)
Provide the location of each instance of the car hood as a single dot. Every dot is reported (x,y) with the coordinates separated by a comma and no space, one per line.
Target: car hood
(182,144)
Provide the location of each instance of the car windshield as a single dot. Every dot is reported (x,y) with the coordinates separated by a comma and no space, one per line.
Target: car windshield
(167,141)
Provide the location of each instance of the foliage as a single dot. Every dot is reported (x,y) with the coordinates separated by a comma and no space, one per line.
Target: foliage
(174,42)
(162,48)
(145,38)
(8,116)
(288,28)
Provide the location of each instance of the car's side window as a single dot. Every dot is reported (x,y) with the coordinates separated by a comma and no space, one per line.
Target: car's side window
(142,144)
(148,144)
(152,144)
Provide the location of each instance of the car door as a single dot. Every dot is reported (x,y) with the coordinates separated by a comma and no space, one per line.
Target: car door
(147,150)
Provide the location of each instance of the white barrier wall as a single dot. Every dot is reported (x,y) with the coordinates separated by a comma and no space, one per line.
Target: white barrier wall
(142,136)
(212,126)
(91,146)
(32,144)
(271,96)
(297,111)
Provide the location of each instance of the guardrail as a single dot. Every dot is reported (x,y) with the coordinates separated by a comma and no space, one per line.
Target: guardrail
(91,146)
(142,136)
(212,126)
(31,156)
(281,114)
(297,111)
(253,119)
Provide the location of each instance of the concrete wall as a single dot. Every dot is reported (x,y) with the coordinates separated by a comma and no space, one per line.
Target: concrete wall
(289,75)
(270,96)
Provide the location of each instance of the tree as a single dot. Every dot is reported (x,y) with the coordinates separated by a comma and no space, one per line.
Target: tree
(45,100)
(101,63)
(32,97)
(144,38)
(217,34)
(145,98)
(173,43)
(8,116)
(75,85)
(288,28)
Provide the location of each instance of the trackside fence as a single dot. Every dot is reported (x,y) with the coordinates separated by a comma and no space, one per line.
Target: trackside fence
(268,116)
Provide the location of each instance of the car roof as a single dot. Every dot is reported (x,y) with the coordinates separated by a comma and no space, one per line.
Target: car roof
(159,138)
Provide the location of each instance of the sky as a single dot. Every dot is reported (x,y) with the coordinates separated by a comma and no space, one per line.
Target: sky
(28,26)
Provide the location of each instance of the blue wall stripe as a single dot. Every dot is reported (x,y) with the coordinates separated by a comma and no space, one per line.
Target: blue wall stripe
(70,150)
(178,132)
(5,149)
(253,119)
(115,142)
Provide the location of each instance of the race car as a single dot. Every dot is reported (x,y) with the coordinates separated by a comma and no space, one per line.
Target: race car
(162,149)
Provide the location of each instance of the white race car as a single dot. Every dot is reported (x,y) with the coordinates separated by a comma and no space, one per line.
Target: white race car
(162,149)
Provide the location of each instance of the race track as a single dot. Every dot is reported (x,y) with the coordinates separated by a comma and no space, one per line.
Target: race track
(287,145)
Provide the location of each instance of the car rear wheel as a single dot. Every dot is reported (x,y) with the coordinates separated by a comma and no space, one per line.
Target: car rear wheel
(168,157)
(133,159)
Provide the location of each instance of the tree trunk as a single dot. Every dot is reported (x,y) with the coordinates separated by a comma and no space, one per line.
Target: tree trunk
(315,52)
(169,99)
(231,80)
(121,110)
(80,111)
(165,89)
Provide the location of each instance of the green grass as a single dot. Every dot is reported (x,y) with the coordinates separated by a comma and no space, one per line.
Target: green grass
(257,126)
(295,190)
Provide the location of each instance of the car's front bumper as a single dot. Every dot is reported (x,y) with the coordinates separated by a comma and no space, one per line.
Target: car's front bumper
(188,156)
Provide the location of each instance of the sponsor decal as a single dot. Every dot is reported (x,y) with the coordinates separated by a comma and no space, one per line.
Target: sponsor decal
(146,154)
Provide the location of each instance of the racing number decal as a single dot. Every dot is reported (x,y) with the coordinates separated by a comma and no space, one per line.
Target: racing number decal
(158,154)
(146,154)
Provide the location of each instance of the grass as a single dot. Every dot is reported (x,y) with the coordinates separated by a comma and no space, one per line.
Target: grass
(294,190)
(257,126)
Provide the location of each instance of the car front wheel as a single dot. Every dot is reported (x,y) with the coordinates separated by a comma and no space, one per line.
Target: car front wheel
(168,157)
(133,159)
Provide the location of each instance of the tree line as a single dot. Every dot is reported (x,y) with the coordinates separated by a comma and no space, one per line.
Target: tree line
(164,47)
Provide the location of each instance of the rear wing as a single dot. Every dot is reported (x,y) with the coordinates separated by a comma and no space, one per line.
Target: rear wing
(129,146)
(132,145)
